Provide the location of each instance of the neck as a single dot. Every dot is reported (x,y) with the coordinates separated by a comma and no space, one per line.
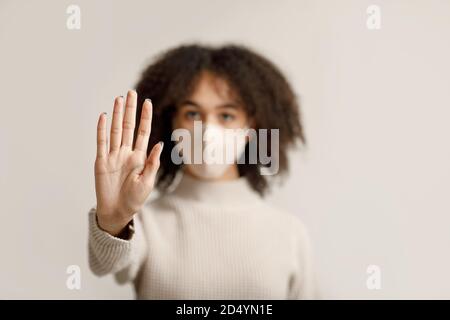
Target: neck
(230,174)
(224,192)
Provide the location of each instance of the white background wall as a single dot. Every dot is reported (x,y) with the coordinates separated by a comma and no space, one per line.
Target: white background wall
(372,187)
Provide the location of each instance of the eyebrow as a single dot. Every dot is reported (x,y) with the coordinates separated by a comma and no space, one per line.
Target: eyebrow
(222,106)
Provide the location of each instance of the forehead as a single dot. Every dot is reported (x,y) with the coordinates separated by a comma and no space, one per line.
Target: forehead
(211,91)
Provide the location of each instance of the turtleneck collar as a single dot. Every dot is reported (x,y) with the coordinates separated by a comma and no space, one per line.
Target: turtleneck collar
(236,192)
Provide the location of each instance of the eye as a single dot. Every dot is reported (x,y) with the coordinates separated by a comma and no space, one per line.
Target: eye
(192,115)
(227,117)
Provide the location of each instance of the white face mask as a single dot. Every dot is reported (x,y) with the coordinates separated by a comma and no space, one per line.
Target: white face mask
(221,149)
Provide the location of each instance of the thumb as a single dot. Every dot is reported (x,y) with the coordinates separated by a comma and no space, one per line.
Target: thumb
(152,164)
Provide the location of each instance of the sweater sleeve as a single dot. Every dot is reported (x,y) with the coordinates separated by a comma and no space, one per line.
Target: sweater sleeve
(112,255)
(303,281)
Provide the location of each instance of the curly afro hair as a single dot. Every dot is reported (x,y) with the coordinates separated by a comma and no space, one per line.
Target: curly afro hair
(267,96)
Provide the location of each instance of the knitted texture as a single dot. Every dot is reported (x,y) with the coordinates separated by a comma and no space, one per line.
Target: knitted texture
(208,240)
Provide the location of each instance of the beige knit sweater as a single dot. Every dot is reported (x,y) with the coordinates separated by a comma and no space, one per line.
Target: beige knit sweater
(208,240)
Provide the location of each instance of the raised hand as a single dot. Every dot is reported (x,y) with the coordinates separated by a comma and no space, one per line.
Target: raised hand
(124,176)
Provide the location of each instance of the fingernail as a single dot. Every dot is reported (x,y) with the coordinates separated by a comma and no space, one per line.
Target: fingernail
(148,99)
(162,144)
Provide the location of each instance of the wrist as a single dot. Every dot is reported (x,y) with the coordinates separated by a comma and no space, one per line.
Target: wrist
(114,228)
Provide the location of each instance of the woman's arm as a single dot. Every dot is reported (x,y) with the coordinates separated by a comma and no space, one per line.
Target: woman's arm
(124,177)
(112,254)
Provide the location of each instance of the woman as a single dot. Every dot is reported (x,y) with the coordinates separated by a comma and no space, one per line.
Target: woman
(208,234)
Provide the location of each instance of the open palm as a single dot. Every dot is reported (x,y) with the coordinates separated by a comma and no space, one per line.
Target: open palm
(124,176)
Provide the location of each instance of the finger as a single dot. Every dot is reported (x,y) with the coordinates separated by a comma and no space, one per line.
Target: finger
(116,125)
(144,126)
(152,164)
(129,119)
(102,141)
